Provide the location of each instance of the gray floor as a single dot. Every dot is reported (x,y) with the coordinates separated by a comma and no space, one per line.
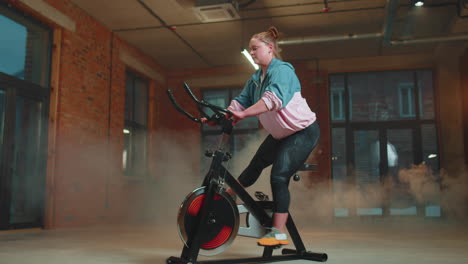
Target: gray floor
(376,243)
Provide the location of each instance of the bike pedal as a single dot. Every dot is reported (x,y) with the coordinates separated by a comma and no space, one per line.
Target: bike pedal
(273,247)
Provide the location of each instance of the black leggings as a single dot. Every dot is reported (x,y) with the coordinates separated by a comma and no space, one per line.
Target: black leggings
(287,155)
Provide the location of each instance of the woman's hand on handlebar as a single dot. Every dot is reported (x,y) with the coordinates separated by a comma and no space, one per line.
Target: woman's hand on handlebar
(237,116)
(211,121)
(205,120)
(229,115)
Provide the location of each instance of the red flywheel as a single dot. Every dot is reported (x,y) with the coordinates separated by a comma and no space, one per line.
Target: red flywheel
(222,221)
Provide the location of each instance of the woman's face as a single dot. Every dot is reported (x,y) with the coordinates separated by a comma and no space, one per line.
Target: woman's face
(261,52)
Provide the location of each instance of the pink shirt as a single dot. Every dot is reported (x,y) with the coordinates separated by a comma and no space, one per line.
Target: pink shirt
(281,121)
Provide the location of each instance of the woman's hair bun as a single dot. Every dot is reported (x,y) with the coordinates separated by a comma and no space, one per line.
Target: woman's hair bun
(273,31)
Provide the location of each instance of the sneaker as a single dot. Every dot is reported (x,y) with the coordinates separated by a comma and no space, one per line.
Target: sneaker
(273,238)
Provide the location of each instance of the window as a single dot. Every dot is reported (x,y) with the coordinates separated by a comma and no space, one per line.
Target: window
(337,104)
(405,92)
(24,48)
(136,126)
(381,128)
(243,132)
(376,95)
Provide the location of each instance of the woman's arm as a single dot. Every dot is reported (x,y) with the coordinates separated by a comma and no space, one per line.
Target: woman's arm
(256,109)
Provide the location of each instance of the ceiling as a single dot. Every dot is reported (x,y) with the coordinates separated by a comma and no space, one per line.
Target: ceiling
(171,32)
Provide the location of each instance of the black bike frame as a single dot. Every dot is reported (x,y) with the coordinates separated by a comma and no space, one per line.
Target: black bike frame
(213,181)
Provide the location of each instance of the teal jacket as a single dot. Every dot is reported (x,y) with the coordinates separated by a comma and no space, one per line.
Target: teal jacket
(279,79)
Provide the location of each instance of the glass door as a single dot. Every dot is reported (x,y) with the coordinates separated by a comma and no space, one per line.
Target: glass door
(400,159)
(375,171)
(2,119)
(23,151)
(367,172)
(27,178)
(4,168)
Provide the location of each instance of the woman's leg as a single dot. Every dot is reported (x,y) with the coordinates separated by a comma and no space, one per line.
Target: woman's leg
(279,221)
(263,158)
(292,153)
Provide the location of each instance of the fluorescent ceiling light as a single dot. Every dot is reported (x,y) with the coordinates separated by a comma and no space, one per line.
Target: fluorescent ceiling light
(419,3)
(247,55)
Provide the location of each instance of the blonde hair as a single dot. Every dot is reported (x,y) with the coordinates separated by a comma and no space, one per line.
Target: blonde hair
(270,37)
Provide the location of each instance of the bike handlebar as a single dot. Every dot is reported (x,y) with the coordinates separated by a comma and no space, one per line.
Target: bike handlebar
(219,112)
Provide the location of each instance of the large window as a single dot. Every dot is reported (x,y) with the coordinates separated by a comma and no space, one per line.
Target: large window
(24,48)
(243,132)
(383,133)
(136,126)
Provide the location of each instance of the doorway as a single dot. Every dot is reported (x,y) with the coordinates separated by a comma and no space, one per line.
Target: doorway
(23,135)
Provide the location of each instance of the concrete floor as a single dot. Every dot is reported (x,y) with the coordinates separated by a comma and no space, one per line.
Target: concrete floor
(376,243)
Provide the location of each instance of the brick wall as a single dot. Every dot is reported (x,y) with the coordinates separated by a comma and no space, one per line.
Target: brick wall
(315,89)
(82,122)
(90,185)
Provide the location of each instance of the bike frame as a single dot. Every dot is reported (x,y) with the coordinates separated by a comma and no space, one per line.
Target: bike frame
(213,182)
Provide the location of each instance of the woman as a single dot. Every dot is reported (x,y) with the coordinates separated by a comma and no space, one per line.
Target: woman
(273,94)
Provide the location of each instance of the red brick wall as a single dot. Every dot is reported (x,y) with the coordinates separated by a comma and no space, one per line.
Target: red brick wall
(315,90)
(82,190)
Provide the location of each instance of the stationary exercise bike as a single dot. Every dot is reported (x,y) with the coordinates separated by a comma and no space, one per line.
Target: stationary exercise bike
(208,219)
